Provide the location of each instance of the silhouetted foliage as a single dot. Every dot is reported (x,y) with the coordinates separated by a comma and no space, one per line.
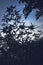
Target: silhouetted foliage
(15,49)
(32,4)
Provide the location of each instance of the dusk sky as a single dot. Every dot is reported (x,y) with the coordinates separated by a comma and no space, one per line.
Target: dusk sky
(30,18)
(21,38)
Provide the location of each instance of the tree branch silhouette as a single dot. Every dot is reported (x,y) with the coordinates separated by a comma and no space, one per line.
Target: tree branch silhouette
(32,4)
